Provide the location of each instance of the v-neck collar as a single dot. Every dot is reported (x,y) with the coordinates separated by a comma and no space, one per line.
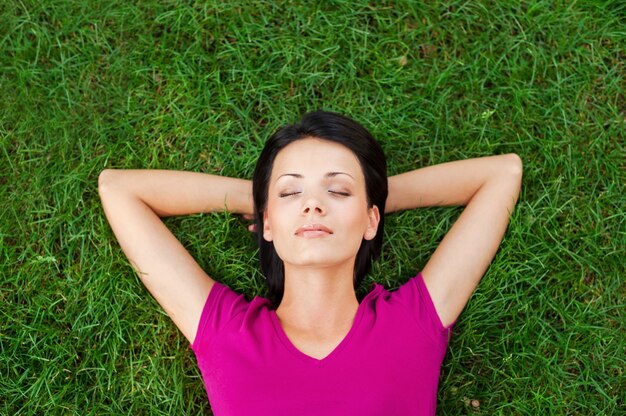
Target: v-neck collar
(280,332)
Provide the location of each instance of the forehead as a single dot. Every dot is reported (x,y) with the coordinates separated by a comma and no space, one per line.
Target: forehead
(311,155)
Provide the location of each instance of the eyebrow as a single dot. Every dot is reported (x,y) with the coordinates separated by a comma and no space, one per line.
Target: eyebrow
(327,175)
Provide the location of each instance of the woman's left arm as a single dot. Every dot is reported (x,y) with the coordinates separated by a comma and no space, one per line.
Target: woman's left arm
(488,187)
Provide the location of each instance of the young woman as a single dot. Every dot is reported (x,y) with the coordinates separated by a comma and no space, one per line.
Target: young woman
(318,197)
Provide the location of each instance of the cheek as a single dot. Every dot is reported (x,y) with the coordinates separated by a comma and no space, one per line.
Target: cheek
(277,215)
(355,218)
(355,211)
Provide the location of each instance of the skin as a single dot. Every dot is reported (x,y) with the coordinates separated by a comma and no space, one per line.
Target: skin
(316,182)
(319,303)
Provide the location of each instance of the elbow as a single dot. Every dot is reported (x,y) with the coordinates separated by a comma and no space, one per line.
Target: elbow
(514,165)
(106,181)
(514,169)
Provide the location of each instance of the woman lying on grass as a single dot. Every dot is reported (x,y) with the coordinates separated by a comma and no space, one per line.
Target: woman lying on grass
(318,196)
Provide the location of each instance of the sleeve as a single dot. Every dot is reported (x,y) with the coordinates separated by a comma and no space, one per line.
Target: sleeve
(221,306)
(415,297)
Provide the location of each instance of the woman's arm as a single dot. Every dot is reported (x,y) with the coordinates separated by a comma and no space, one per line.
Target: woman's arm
(133,201)
(488,187)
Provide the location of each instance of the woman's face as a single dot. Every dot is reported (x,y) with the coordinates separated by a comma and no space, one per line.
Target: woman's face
(317,213)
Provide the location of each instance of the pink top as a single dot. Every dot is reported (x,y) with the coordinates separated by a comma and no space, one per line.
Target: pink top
(388,363)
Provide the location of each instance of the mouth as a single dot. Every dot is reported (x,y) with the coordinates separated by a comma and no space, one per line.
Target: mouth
(313,231)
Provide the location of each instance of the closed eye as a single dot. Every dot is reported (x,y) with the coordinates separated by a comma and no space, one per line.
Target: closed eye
(286,194)
(340,193)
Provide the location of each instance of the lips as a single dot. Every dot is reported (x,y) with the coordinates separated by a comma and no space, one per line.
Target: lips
(313,230)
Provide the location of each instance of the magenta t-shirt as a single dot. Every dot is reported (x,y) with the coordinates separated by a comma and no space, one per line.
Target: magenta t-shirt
(388,363)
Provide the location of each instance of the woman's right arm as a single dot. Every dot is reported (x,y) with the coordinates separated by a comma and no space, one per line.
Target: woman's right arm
(134,201)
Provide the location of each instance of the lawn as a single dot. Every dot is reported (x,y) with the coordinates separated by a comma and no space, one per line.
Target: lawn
(89,85)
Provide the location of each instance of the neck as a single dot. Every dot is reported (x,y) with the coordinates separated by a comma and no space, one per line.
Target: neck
(318,299)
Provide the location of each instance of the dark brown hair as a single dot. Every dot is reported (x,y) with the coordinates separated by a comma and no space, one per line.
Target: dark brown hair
(335,128)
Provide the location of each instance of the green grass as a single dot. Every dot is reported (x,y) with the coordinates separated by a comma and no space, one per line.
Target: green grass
(199,86)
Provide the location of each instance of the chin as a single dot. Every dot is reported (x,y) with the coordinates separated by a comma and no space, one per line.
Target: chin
(318,256)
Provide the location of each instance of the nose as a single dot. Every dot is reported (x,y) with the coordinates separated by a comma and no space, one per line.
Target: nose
(313,205)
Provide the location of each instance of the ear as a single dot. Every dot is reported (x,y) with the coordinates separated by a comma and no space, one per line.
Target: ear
(267,232)
(372,226)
